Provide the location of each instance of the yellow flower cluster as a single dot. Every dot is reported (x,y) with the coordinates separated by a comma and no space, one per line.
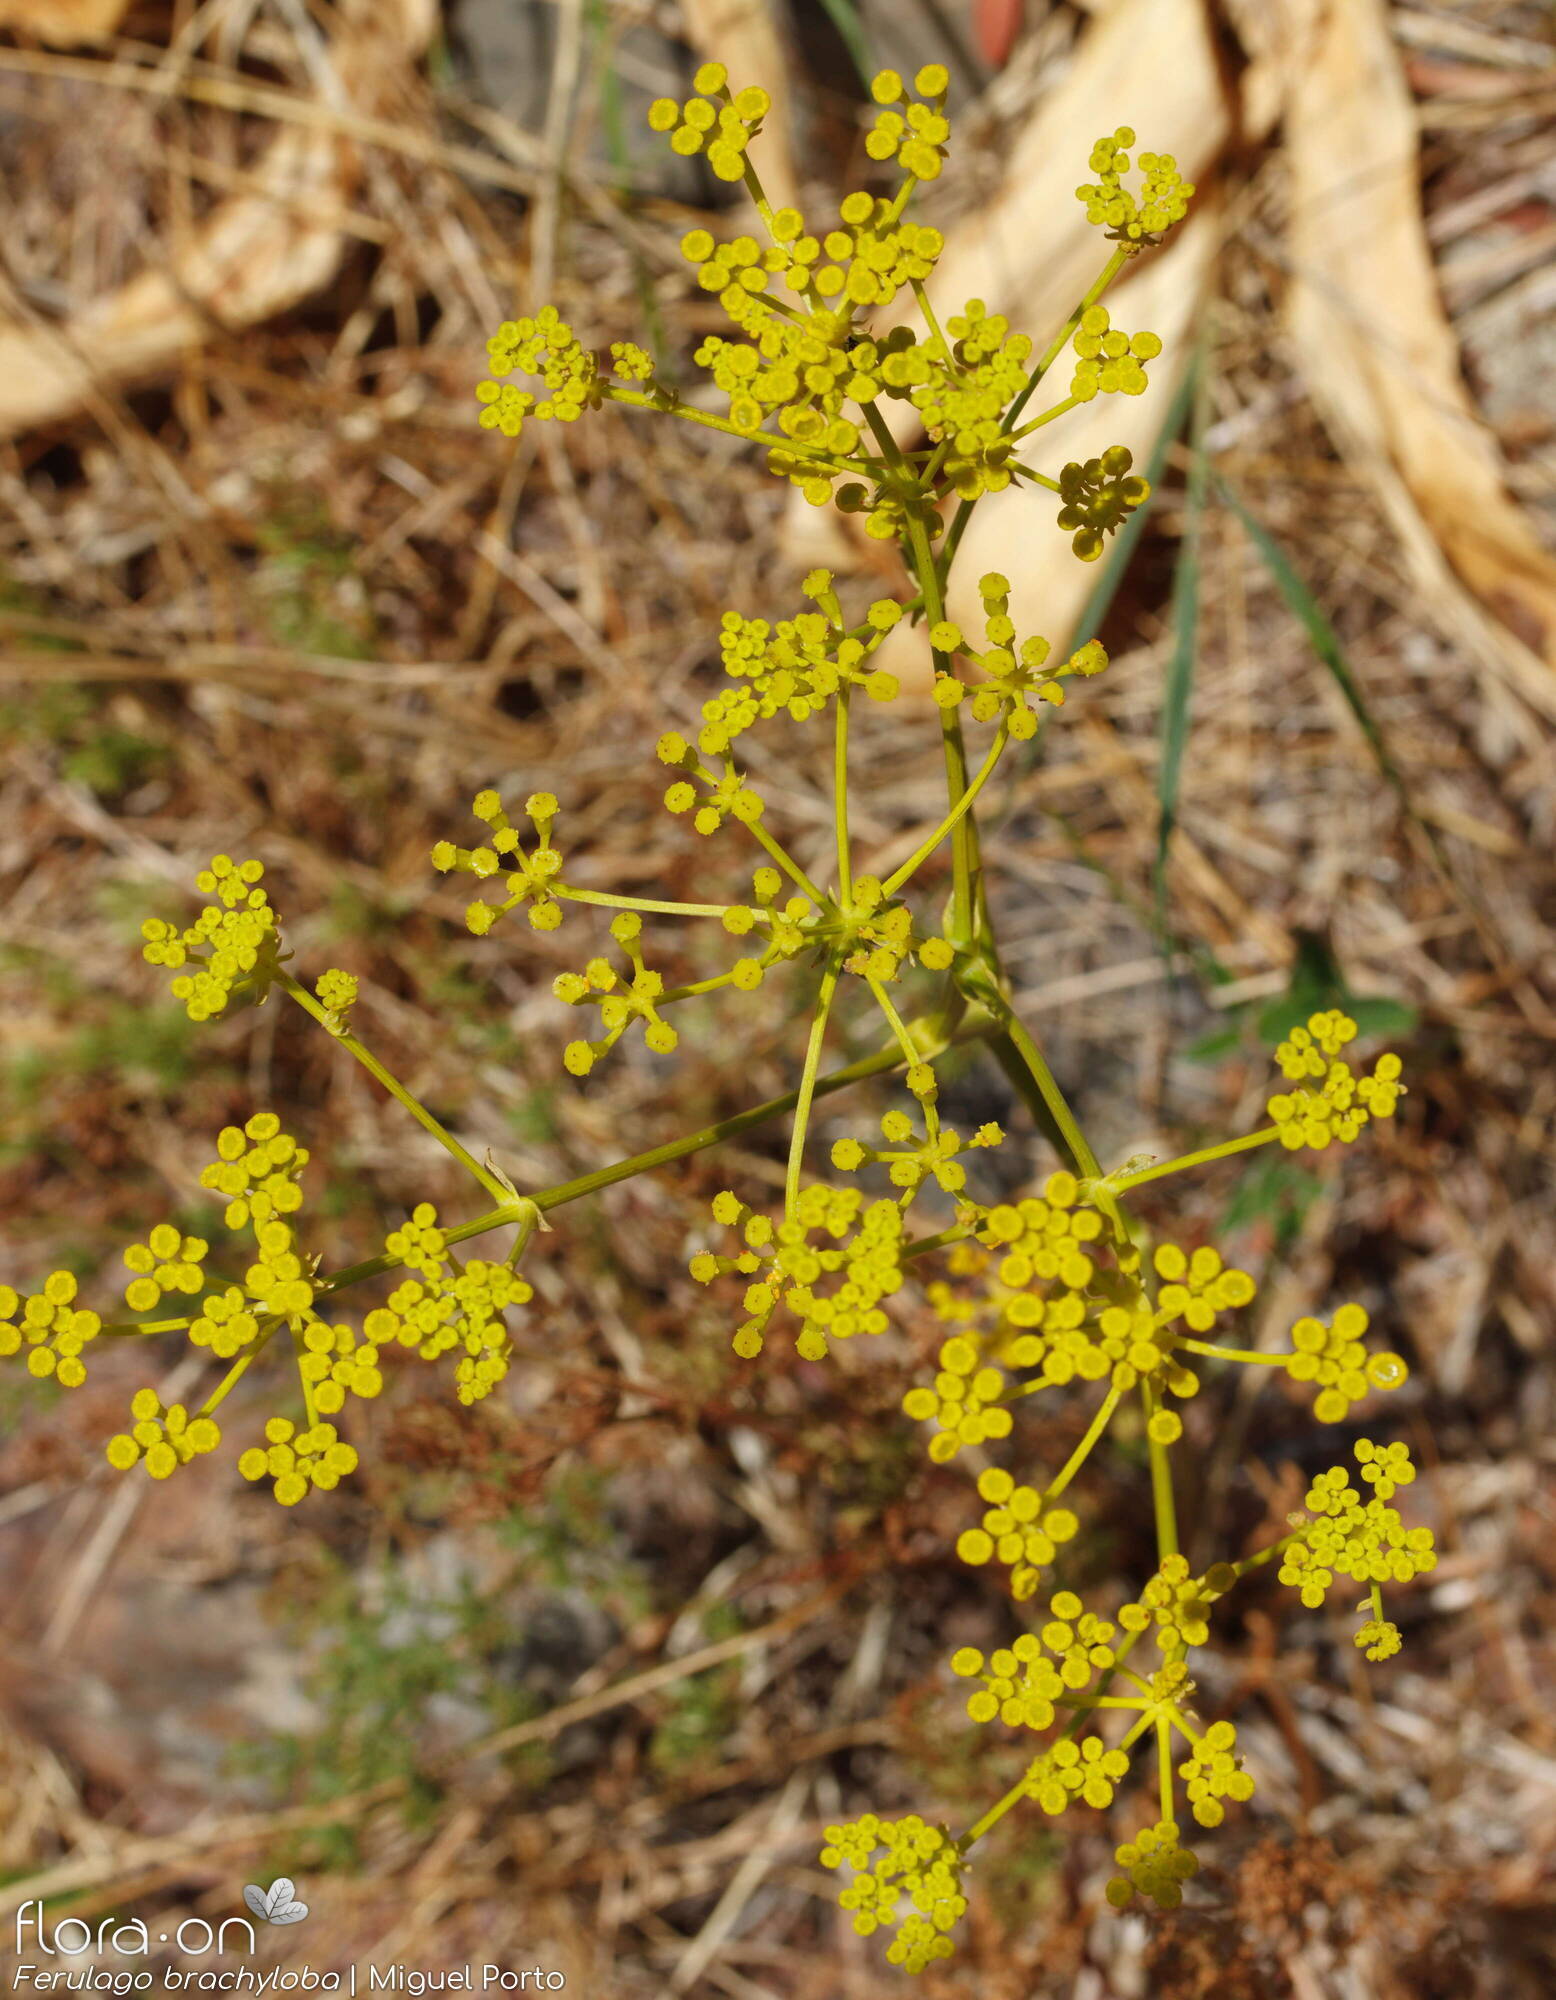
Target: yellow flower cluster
(1215,1772)
(1017,1530)
(909,1166)
(1154,1864)
(797,667)
(1109,204)
(1333,1357)
(546,346)
(256,1169)
(1385,1467)
(161,1439)
(618,1008)
(1367,1542)
(1378,1639)
(166,1262)
(1005,692)
(337,994)
(790,930)
(1079,1640)
(530,880)
(866,1262)
(729,796)
(713,122)
(1108,362)
(1020,1686)
(1069,1771)
(1141,1345)
(964,1403)
(1197,1287)
(918,137)
(335,1363)
(918,1861)
(1178,1603)
(234,944)
(1343,1103)
(276,1281)
(1041,1243)
(962,398)
(296,1461)
(54,1329)
(1044,1239)
(447,1308)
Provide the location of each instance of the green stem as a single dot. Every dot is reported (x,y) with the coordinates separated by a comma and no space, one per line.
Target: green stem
(1161,1479)
(823,461)
(1082,1451)
(807,1089)
(1164,1764)
(964,837)
(1033,1064)
(237,1371)
(786,862)
(1119,1182)
(933,324)
(610,902)
(1246,1354)
(1058,410)
(392,1084)
(904,1042)
(845,877)
(921,1247)
(952,819)
(930,1035)
(1267,1554)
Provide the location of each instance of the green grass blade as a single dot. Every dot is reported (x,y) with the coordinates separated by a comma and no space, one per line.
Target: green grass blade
(1305,607)
(844,16)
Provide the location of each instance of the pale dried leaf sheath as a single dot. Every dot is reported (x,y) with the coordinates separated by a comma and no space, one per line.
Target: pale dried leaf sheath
(257,255)
(1381,358)
(742,35)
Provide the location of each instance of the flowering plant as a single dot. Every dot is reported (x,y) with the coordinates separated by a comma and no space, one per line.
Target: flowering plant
(1061,1293)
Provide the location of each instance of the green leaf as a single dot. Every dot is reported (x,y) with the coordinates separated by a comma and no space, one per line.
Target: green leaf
(1382,1016)
(1219,1042)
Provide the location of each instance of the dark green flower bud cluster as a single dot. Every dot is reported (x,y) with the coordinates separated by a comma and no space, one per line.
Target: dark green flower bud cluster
(1099,497)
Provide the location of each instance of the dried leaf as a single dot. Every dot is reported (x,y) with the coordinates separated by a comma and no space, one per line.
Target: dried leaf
(63,24)
(1380,356)
(742,35)
(255,256)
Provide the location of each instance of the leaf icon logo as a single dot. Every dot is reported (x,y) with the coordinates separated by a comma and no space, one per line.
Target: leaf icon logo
(277,1905)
